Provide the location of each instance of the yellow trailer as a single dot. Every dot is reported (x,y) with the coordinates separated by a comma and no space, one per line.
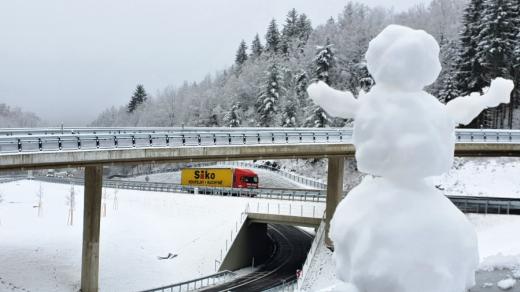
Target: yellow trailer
(210,177)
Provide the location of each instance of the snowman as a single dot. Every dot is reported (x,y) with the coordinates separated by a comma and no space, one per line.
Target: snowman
(395,232)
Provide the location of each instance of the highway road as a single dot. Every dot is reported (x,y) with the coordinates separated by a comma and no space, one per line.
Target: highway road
(291,245)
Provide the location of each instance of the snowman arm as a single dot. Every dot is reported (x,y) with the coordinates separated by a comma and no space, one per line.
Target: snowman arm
(336,103)
(465,108)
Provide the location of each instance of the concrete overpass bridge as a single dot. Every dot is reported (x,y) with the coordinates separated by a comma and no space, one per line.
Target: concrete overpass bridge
(93,148)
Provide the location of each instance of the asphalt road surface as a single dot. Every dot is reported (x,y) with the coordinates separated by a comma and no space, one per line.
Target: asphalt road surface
(291,247)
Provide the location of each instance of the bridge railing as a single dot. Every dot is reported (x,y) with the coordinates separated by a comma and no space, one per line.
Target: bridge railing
(137,130)
(487,205)
(196,284)
(60,142)
(288,209)
(27,140)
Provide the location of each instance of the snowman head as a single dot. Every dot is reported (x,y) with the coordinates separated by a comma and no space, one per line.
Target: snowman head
(403,58)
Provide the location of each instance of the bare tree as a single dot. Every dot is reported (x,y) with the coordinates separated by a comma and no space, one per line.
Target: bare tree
(1,200)
(104,199)
(115,203)
(39,195)
(71,202)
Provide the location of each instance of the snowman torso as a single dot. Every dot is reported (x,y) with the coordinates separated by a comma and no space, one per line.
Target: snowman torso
(403,135)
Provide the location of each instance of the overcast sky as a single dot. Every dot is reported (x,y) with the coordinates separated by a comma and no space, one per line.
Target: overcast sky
(68,60)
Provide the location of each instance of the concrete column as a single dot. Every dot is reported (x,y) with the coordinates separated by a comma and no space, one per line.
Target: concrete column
(91,228)
(334,192)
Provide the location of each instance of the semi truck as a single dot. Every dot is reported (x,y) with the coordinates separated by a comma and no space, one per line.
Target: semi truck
(219,177)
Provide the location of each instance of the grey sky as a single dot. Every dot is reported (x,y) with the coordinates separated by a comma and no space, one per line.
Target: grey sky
(68,60)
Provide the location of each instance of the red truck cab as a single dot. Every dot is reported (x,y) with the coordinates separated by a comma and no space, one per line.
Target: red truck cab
(245,178)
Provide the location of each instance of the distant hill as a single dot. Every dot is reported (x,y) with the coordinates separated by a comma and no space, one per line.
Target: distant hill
(14,117)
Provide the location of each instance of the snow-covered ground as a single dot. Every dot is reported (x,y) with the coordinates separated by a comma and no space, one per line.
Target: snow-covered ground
(491,177)
(44,253)
(499,248)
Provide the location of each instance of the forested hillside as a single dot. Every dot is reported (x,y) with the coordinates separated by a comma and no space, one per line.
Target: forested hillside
(266,84)
(16,118)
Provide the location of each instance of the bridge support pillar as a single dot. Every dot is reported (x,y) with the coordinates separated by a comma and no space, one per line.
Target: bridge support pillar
(91,228)
(334,192)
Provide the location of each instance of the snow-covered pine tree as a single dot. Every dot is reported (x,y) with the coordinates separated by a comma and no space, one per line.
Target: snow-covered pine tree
(256,47)
(241,55)
(301,84)
(272,38)
(323,62)
(290,113)
(139,97)
(316,117)
(304,28)
(290,28)
(467,67)
(289,31)
(448,90)
(515,96)
(233,117)
(494,54)
(445,86)
(269,96)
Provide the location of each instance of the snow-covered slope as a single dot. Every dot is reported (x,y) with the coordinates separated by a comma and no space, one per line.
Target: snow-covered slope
(44,253)
(493,177)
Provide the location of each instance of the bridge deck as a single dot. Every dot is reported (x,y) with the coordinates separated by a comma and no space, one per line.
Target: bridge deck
(293,220)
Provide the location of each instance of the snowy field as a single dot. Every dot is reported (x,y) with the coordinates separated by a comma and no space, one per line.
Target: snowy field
(491,177)
(43,253)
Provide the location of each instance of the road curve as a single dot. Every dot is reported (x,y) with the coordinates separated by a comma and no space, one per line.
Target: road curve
(291,245)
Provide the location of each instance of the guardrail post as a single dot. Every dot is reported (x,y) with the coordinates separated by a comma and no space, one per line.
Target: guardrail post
(91,228)
(334,191)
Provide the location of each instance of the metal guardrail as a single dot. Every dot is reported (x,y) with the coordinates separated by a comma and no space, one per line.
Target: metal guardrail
(35,140)
(304,195)
(467,204)
(132,130)
(487,205)
(287,209)
(217,136)
(12,178)
(195,284)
